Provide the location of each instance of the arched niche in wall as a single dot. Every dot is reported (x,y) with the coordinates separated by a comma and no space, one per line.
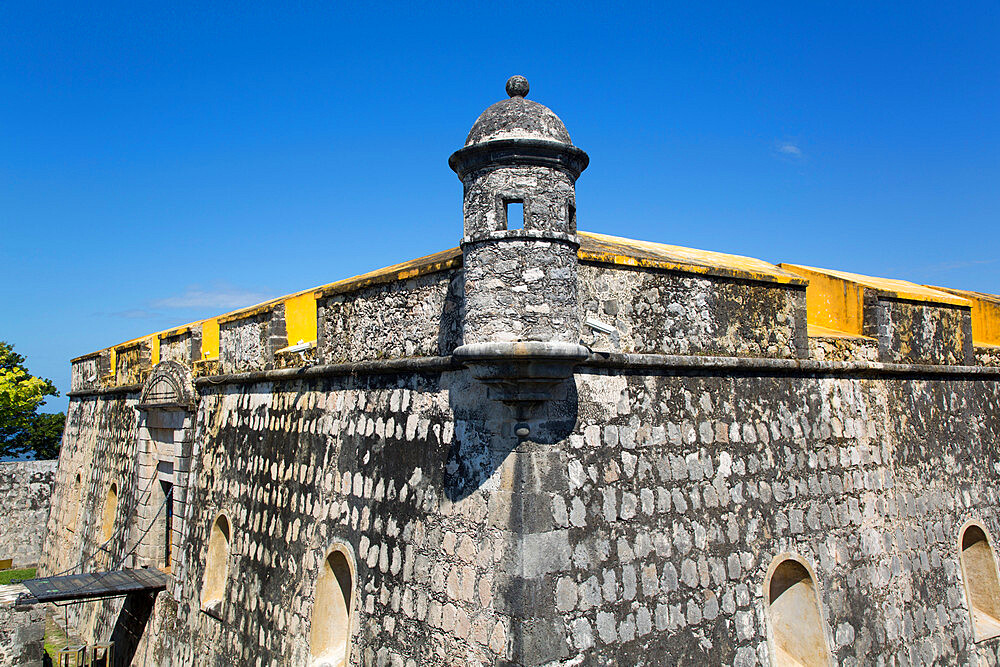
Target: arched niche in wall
(109,513)
(72,504)
(213,590)
(795,622)
(979,574)
(330,638)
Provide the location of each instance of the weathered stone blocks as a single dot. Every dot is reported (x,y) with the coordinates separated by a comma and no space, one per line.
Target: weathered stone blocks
(25,495)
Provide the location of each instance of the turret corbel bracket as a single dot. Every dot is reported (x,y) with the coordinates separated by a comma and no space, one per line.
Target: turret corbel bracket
(521,375)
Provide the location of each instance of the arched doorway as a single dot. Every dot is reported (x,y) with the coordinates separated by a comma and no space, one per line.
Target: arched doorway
(166,431)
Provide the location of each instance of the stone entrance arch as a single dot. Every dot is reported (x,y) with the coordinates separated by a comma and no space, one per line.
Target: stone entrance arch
(166,432)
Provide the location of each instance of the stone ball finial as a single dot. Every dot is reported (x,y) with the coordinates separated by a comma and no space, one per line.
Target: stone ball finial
(517,86)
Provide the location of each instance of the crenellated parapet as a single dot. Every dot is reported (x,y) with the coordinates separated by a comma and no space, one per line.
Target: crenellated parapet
(633,297)
(525,281)
(86,372)
(905,322)
(985,324)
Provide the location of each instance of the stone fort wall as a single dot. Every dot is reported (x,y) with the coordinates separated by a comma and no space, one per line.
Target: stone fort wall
(547,447)
(638,528)
(25,492)
(710,430)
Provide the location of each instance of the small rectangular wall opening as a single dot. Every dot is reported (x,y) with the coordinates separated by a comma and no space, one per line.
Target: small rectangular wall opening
(168,522)
(571,217)
(514,212)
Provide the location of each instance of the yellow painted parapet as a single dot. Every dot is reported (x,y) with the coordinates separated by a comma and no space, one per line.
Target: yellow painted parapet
(300,318)
(627,252)
(422,266)
(129,363)
(985,314)
(210,338)
(835,299)
(301,307)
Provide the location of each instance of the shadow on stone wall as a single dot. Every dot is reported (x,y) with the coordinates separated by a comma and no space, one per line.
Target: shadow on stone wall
(485,431)
(452,315)
(130,625)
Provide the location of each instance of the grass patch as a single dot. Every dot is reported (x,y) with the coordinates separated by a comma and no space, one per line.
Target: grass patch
(25,573)
(55,640)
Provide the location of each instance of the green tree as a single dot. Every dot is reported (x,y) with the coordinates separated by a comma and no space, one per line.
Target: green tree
(23,430)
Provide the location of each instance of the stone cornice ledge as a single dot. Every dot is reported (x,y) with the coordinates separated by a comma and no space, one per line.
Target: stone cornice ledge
(522,350)
(593,360)
(375,367)
(707,364)
(122,389)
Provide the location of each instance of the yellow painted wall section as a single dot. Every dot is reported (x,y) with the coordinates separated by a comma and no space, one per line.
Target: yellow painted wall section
(154,350)
(831,302)
(986,321)
(300,318)
(210,339)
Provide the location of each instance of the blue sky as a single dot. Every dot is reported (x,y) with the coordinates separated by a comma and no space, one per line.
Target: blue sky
(162,162)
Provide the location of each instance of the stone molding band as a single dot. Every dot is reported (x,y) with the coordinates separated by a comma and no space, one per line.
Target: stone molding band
(571,240)
(766,366)
(519,152)
(598,361)
(379,367)
(122,389)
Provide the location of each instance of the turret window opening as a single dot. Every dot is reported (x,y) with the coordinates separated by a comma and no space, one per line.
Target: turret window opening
(571,217)
(982,587)
(794,617)
(514,212)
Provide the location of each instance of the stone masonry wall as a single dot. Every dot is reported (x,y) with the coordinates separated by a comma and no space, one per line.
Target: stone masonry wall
(913,333)
(679,491)
(417,317)
(22,629)
(843,348)
(520,288)
(635,529)
(132,362)
(987,355)
(99,449)
(25,494)
(370,463)
(548,195)
(87,372)
(249,343)
(183,348)
(676,313)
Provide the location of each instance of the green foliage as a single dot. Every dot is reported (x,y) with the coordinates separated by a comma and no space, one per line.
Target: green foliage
(6,576)
(23,430)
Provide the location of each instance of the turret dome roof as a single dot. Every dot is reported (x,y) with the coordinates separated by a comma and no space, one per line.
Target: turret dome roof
(517,118)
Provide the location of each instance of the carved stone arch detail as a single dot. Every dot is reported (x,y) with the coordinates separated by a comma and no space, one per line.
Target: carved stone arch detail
(169,386)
